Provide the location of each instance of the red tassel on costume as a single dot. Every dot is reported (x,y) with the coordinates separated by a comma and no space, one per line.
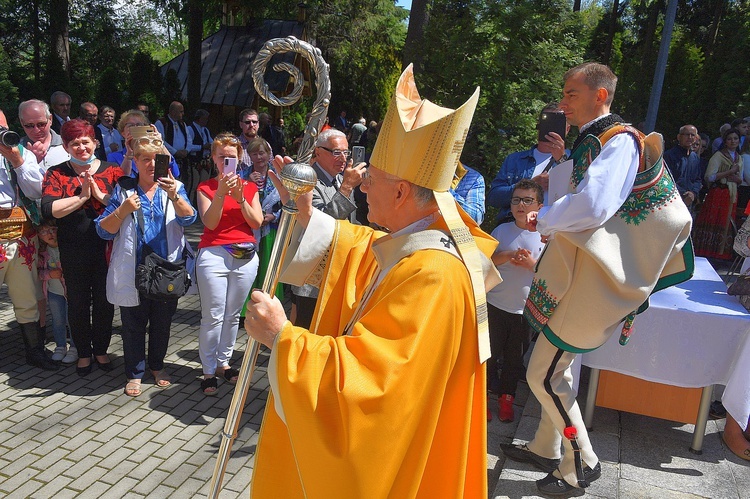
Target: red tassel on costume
(570,432)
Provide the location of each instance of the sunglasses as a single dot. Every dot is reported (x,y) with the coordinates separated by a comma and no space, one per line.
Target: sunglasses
(524,201)
(31,126)
(148,140)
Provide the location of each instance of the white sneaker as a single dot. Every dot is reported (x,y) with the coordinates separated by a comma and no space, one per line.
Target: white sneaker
(71,357)
(59,353)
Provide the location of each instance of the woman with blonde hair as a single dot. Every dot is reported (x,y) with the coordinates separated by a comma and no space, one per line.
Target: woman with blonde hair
(227,263)
(144,214)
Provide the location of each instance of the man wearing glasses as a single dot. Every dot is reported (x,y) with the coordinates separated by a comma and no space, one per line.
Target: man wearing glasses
(40,139)
(20,187)
(249,124)
(333,195)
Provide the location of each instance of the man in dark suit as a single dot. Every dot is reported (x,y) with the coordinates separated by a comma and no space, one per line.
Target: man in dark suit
(334,195)
(60,103)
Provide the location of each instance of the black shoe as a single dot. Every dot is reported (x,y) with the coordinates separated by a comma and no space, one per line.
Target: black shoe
(104,366)
(553,486)
(37,358)
(85,371)
(717,410)
(522,454)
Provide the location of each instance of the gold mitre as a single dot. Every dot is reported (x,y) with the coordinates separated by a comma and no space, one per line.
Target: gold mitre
(420,141)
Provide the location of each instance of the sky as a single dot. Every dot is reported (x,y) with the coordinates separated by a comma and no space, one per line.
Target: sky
(404,3)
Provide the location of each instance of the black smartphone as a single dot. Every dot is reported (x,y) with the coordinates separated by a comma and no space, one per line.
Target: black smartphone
(551,122)
(358,155)
(161,166)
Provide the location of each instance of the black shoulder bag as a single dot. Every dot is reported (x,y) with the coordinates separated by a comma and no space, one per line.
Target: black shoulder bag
(157,278)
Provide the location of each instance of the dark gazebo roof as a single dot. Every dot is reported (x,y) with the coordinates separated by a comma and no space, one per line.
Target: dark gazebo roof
(226,62)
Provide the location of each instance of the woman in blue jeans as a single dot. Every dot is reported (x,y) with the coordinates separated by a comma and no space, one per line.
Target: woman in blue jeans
(166,211)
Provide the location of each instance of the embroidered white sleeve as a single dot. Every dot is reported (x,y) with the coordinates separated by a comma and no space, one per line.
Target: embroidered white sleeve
(308,251)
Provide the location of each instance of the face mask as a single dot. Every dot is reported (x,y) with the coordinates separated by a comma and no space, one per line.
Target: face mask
(82,163)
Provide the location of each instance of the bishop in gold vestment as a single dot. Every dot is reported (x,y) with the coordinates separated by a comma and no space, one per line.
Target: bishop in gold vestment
(385,395)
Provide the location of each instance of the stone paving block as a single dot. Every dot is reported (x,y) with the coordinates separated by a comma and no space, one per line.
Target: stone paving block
(22,449)
(123,487)
(188,488)
(172,462)
(145,467)
(110,447)
(162,491)
(93,475)
(178,476)
(28,489)
(20,464)
(139,430)
(53,487)
(76,469)
(151,482)
(114,454)
(144,451)
(166,434)
(46,460)
(117,472)
(113,431)
(58,468)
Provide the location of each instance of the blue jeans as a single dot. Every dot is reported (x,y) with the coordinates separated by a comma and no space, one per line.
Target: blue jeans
(157,315)
(58,306)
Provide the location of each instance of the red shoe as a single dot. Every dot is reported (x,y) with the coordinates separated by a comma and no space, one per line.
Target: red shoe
(506,408)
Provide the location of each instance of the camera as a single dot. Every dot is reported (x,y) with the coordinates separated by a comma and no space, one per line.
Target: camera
(9,137)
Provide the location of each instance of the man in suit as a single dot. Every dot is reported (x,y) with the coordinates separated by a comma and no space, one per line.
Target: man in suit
(60,103)
(333,195)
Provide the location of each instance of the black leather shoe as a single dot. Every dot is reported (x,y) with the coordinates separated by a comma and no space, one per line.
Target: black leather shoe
(86,370)
(522,454)
(553,486)
(104,366)
(37,358)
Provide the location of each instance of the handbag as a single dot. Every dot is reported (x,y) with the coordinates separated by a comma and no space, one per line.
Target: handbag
(157,278)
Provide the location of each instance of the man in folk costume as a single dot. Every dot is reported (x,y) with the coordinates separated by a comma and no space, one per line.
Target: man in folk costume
(385,395)
(621,233)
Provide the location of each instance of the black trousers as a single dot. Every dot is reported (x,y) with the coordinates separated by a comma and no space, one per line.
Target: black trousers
(510,337)
(90,315)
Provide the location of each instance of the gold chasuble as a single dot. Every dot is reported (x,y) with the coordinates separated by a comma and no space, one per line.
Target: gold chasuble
(589,282)
(349,431)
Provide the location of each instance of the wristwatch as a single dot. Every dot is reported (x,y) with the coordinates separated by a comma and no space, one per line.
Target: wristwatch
(176,198)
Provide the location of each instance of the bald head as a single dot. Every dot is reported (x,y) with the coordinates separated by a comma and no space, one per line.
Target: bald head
(176,110)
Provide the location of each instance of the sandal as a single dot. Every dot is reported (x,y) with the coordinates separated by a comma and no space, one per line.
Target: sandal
(133,388)
(161,379)
(231,375)
(209,385)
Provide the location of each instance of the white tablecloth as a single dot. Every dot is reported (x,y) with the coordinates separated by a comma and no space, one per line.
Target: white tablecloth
(693,335)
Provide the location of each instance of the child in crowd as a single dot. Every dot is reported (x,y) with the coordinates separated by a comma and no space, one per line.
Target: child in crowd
(510,334)
(53,285)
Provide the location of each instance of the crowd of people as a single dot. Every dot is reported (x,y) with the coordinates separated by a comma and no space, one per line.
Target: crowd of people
(378,241)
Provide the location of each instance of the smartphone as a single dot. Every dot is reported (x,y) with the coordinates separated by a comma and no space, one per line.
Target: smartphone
(161,166)
(137,132)
(230,166)
(551,122)
(358,154)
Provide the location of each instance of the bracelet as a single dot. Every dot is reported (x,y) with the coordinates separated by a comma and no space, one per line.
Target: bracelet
(117,216)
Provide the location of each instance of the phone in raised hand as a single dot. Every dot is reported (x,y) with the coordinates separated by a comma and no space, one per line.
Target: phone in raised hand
(230,166)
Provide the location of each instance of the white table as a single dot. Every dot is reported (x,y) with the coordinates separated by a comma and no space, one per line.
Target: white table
(694,336)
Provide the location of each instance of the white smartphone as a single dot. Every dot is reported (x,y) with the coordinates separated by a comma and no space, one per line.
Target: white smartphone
(230,166)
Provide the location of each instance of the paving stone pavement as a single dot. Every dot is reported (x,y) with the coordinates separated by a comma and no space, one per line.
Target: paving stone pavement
(65,436)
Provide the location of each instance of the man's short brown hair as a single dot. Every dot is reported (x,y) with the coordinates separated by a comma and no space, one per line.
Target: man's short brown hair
(596,76)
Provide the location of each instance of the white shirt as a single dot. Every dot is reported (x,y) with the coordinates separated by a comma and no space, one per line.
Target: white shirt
(510,295)
(206,137)
(179,141)
(29,177)
(109,136)
(604,188)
